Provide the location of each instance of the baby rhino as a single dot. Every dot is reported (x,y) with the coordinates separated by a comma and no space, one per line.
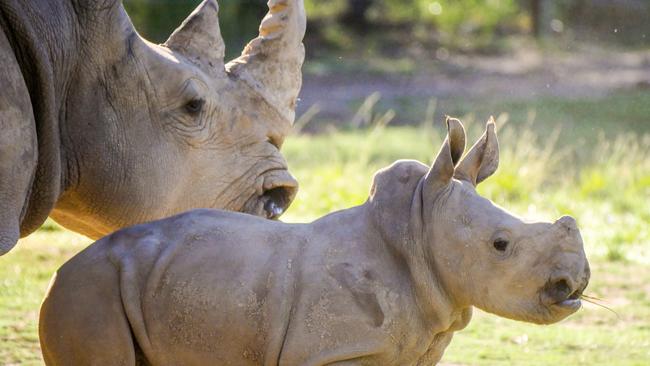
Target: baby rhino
(384,283)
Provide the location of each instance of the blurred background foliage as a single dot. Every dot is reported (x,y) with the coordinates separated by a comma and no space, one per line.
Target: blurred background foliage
(468,25)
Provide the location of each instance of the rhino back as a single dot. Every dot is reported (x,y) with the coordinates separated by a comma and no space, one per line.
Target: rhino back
(208,286)
(211,286)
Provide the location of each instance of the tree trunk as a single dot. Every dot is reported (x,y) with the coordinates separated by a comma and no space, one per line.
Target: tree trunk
(536,17)
(355,14)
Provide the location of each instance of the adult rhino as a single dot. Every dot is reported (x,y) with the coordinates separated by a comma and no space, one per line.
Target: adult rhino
(102,129)
(384,283)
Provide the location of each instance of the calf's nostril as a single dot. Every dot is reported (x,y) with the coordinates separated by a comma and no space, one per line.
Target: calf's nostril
(562,289)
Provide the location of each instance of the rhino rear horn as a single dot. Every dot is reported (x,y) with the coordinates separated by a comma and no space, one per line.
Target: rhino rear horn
(199,37)
(442,170)
(482,159)
(271,63)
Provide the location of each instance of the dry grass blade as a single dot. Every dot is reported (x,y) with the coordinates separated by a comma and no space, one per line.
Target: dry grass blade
(592,297)
(594,300)
(305,118)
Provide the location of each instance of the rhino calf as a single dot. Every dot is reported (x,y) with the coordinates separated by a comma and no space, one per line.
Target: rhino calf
(384,283)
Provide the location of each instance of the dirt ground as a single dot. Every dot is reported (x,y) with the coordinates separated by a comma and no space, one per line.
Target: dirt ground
(524,73)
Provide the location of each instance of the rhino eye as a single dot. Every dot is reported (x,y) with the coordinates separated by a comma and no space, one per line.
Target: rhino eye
(500,245)
(194,106)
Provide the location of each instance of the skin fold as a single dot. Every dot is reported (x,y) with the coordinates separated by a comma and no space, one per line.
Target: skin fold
(384,283)
(103,129)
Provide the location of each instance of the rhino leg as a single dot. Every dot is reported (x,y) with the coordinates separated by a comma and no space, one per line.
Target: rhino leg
(82,321)
(18,146)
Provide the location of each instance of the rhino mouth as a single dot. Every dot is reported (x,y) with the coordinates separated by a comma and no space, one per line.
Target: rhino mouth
(571,302)
(275,194)
(560,297)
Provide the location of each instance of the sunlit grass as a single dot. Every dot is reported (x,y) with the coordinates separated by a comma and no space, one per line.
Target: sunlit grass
(26,272)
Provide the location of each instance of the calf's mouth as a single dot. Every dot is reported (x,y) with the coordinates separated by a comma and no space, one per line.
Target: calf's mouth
(571,302)
(277,190)
(561,295)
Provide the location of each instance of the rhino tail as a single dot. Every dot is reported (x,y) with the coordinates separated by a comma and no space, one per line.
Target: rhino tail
(132,304)
(148,254)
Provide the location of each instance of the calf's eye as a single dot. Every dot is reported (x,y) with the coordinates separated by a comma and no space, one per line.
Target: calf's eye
(500,245)
(194,106)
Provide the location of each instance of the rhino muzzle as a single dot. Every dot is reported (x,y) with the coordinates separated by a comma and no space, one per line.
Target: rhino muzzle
(563,292)
(274,196)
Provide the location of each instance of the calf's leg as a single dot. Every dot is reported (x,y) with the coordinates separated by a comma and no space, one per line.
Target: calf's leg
(82,321)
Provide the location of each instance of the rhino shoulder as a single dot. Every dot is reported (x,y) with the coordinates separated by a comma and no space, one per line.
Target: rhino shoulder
(391,198)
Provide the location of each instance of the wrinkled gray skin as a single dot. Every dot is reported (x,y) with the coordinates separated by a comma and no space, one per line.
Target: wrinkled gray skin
(102,129)
(384,283)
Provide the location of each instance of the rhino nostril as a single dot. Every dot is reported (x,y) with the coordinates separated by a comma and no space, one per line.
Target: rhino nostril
(562,289)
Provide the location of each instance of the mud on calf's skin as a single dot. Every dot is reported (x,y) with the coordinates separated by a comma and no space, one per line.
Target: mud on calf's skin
(102,129)
(384,283)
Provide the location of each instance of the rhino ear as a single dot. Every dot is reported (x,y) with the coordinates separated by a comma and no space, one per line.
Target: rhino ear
(199,37)
(482,159)
(452,149)
(271,63)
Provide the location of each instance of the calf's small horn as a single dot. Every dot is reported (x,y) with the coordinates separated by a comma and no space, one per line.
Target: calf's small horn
(271,63)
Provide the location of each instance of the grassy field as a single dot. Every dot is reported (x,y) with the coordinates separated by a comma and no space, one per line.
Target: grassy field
(586,158)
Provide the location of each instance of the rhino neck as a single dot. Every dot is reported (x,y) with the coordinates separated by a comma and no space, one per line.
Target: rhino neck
(54,42)
(43,38)
(433,293)
(396,209)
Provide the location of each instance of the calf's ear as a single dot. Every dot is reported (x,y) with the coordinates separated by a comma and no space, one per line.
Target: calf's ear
(442,169)
(482,159)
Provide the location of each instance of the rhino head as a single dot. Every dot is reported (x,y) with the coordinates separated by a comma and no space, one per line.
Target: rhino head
(489,257)
(150,130)
(473,252)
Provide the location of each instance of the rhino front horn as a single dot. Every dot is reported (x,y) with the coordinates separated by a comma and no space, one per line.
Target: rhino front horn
(271,63)
(199,38)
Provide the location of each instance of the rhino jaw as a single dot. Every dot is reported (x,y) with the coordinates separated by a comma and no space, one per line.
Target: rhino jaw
(274,196)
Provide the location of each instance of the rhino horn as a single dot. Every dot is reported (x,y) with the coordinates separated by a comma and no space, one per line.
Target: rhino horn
(270,64)
(443,167)
(199,38)
(482,159)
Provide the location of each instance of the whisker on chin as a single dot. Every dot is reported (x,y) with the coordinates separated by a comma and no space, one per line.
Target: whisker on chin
(594,300)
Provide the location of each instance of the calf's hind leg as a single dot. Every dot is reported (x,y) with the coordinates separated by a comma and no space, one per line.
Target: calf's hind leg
(82,321)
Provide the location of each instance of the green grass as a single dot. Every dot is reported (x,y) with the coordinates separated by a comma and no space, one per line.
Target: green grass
(586,158)
(26,273)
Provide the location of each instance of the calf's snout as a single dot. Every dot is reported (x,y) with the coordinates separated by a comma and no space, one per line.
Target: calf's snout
(560,289)
(564,285)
